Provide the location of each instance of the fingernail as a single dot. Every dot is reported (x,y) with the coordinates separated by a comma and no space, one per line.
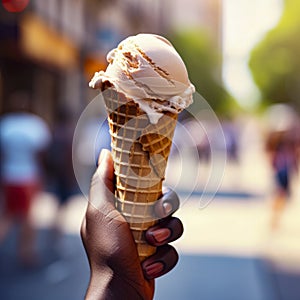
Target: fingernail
(154,269)
(161,235)
(167,208)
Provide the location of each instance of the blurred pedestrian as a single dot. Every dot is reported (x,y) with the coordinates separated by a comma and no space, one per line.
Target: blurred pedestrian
(23,138)
(283,151)
(231,140)
(59,158)
(60,174)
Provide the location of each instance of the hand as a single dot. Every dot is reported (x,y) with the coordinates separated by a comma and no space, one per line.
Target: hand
(116,271)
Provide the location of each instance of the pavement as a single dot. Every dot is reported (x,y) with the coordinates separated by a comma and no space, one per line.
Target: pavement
(62,274)
(228,250)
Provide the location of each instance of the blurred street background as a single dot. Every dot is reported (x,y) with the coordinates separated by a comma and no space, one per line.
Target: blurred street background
(235,156)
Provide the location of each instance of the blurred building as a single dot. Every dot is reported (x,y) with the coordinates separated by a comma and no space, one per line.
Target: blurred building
(40,54)
(52,48)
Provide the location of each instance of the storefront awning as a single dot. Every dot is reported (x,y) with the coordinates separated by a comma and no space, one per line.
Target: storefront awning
(42,43)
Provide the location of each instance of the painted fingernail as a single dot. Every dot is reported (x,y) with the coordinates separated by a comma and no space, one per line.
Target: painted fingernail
(167,208)
(154,269)
(161,235)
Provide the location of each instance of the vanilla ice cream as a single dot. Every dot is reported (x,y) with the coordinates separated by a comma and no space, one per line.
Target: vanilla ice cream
(149,71)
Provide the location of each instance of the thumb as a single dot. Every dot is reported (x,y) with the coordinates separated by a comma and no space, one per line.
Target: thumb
(102,185)
(105,169)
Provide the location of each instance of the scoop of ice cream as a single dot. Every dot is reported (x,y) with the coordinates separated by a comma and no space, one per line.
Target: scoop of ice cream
(148,70)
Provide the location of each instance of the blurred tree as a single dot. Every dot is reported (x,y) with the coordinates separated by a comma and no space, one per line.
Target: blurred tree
(204,64)
(275,61)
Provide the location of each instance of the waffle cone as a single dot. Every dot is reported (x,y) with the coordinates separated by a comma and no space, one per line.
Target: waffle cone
(140,152)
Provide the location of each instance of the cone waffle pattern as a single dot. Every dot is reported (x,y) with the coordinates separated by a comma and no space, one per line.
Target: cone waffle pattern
(140,152)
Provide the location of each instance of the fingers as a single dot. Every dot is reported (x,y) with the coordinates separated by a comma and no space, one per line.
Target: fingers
(160,263)
(164,232)
(167,204)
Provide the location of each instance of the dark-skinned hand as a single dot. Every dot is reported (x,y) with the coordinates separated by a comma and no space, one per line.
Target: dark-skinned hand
(116,271)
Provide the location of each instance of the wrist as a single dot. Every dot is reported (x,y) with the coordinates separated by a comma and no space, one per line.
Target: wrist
(98,288)
(105,284)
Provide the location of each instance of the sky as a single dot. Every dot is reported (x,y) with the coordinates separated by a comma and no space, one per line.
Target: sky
(245,22)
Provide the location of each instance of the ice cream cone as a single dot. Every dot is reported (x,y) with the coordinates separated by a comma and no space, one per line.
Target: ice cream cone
(145,86)
(140,152)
